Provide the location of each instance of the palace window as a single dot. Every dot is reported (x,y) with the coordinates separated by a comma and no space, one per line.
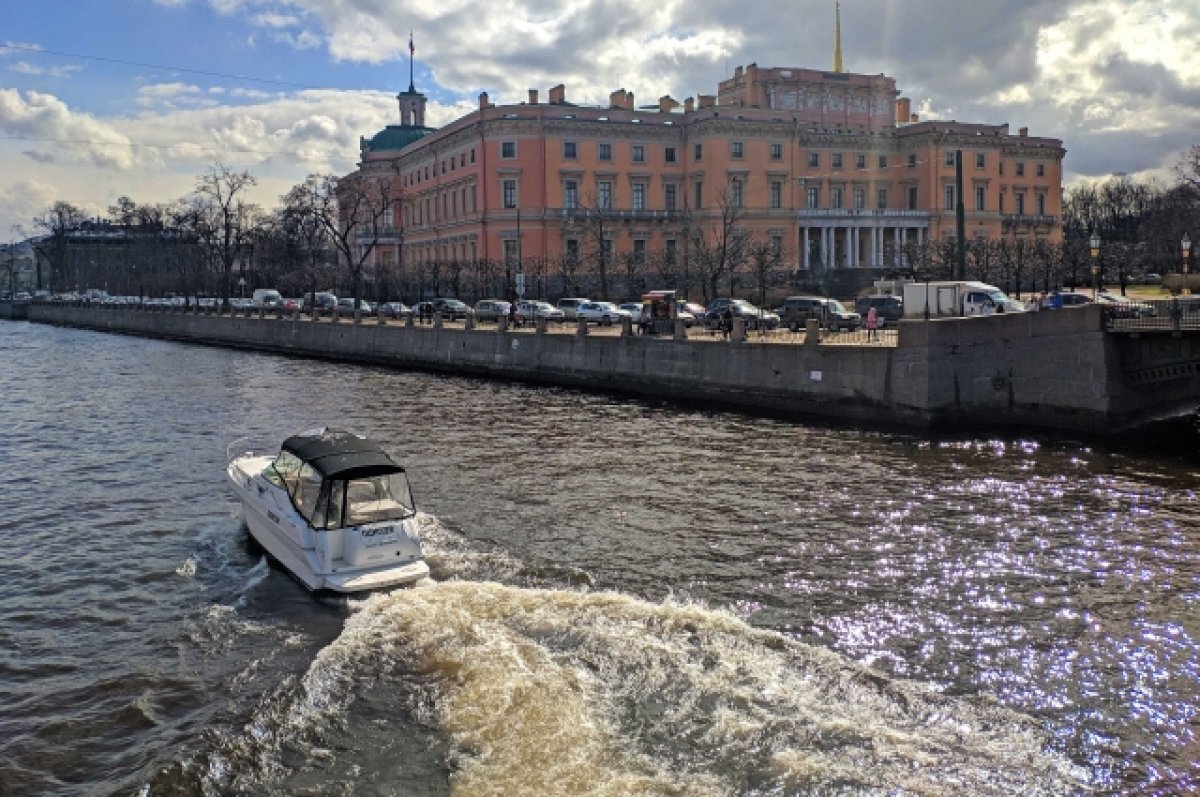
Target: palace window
(835,197)
(814,160)
(1041,170)
(510,193)
(860,198)
(697,194)
(813,198)
(912,160)
(737,149)
(669,155)
(508,149)
(1041,204)
(776,152)
(569,150)
(604,152)
(883,161)
(980,198)
(669,196)
(735,193)
(570,194)
(639,251)
(912,197)
(881,199)
(638,153)
(605,192)
(860,160)
(639,196)
(836,159)
(950,158)
(980,160)
(949,197)
(1020,168)
(776,194)
(696,152)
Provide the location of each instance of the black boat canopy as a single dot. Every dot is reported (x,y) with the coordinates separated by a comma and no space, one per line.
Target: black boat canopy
(339,454)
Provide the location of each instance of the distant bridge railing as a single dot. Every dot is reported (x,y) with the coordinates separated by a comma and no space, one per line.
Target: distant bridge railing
(1164,315)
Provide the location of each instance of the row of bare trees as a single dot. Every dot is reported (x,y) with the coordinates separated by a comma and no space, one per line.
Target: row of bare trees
(325,232)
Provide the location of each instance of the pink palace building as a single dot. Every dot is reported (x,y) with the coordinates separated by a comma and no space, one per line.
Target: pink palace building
(830,167)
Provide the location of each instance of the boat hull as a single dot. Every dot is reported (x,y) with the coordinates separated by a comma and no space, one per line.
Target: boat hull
(275,525)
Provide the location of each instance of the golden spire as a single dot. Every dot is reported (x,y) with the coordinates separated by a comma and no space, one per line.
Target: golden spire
(837,38)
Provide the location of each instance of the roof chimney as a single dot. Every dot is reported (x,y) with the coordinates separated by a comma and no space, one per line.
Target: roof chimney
(706,101)
(533,97)
(903,110)
(1023,132)
(558,94)
(689,105)
(483,100)
(667,103)
(914,118)
(629,101)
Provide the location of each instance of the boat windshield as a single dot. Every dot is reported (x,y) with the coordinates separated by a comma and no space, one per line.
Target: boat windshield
(372,499)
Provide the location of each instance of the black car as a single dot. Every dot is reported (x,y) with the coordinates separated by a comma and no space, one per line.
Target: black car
(451,309)
(324,302)
(888,309)
(714,314)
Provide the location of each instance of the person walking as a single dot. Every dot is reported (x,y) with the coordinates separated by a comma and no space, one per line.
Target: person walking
(872,324)
(727,322)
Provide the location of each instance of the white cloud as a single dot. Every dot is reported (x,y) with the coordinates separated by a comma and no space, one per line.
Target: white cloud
(43,117)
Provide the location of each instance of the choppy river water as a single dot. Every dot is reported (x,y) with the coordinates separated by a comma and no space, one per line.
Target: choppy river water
(628,598)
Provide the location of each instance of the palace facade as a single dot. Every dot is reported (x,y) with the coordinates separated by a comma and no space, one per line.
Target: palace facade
(832,169)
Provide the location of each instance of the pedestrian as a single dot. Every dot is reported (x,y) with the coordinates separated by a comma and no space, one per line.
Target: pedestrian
(872,324)
(727,322)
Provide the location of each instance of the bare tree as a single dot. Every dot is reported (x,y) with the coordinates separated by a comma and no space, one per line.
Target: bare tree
(354,211)
(58,222)
(232,218)
(718,245)
(765,258)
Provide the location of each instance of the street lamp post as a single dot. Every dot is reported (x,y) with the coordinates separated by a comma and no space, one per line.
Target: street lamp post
(1186,247)
(1094,242)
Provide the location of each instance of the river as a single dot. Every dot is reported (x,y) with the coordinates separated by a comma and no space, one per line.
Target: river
(627,597)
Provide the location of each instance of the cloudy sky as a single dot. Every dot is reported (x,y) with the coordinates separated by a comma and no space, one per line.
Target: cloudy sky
(107,98)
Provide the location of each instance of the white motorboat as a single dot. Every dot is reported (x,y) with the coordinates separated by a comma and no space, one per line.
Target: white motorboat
(333,508)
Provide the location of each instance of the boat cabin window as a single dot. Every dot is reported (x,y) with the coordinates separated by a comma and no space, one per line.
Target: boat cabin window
(306,495)
(369,500)
(285,471)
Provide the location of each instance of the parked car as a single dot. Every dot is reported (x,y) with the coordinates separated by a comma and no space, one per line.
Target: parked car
(603,313)
(829,313)
(532,310)
(756,317)
(324,302)
(690,312)
(1124,307)
(394,309)
(570,306)
(451,309)
(290,305)
(634,308)
(266,298)
(1065,299)
(888,309)
(345,306)
(491,309)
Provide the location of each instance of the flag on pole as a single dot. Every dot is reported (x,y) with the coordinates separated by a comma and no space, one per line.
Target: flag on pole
(411,48)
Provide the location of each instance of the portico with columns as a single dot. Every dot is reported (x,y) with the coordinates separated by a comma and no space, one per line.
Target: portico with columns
(858,239)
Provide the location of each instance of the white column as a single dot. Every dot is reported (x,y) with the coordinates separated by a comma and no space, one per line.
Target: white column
(804,248)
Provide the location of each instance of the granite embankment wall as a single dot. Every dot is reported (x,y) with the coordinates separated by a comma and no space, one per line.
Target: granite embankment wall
(1054,370)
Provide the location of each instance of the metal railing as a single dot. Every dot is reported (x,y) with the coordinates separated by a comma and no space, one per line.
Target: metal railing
(1165,315)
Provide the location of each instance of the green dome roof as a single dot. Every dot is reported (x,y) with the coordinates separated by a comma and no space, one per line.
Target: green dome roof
(396,137)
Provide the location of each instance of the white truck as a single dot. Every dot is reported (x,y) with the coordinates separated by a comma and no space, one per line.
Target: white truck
(956,298)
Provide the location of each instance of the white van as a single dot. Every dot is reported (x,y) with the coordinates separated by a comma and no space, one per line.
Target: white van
(267,298)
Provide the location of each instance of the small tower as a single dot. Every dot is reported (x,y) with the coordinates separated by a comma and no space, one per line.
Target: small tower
(412,102)
(837,37)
